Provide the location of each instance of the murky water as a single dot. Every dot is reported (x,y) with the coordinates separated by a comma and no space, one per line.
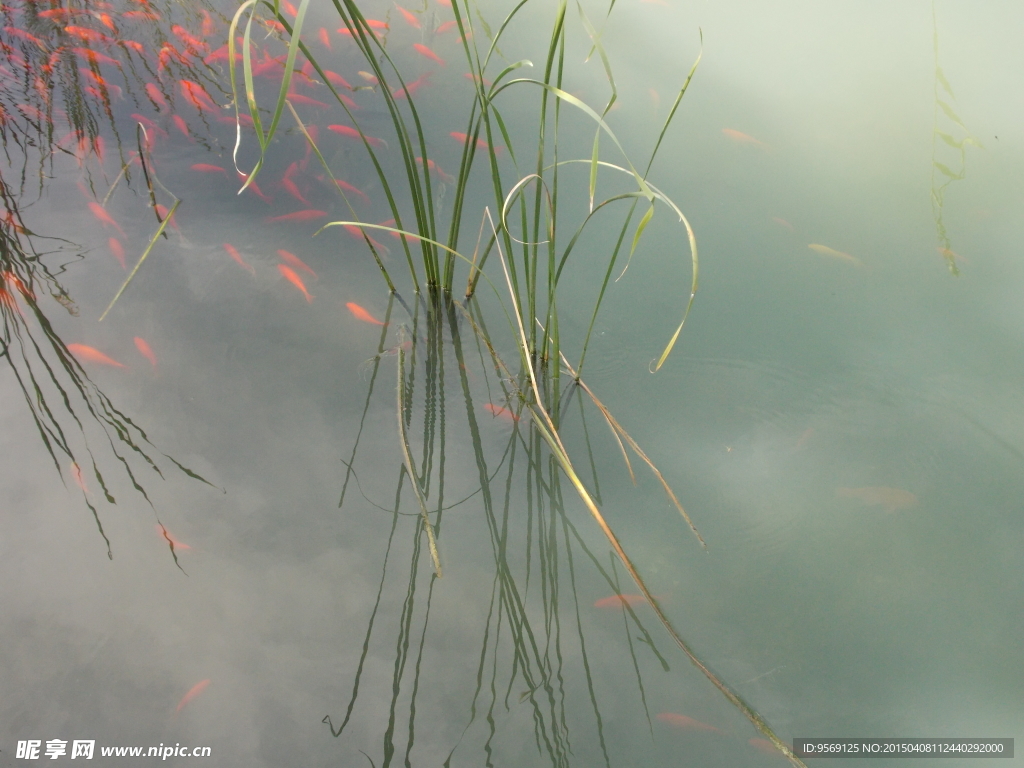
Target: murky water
(842,422)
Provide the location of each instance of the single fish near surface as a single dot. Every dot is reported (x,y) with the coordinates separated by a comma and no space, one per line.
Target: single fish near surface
(91,355)
(424,51)
(480,143)
(307,215)
(325,38)
(290,187)
(175,544)
(354,190)
(352,133)
(76,473)
(411,18)
(208,168)
(362,314)
(105,218)
(765,747)
(682,721)
(182,126)
(193,692)
(118,251)
(742,138)
(296,263)
(156,96)
(501,413)
(891,499)
(145,350)
(824,250)
(289,274)
(234,254)
(616,601)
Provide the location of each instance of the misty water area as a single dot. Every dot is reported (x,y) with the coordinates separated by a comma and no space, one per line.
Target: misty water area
(842,416)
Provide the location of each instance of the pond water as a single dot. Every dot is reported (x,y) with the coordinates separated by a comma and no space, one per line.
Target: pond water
(842,416)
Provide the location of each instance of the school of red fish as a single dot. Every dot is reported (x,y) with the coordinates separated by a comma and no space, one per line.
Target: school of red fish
(178,89)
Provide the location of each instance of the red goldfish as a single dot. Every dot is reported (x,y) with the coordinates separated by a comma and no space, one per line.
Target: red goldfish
(337,80)
(100,213)
(234,254)
(145,351)
(354,190)
(298,98)
(344,130)
(504,413)
(289,185)
(179,121)
(307,215)
(76,473)
(742,138)
(118,251)
(411,88)
(615,601)
(480,143)
(682,721)
(94,57)
(92,355)
(161,212)
(296,263)
(156,96)
(195,691)
(422,50)
(410,17)
(294,279)
(765,746)
(196,95)
(362,314)
(442,28)
(207,168)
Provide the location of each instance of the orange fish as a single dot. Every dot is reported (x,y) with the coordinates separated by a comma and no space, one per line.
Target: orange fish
(161,212)
(294,279)
(105,218)
(480,143)
(824,250)
(410,17)
(196,690)
(234,254)
(325,38)
(156,96)
(337,80)
(442,28)
(682,721)
(742,138)
(354,190)
(411,88)
(616,601)
(307,215)
(149,125)
(196,95)
(89,35)
(255,188)
(290,186)
(76,473)
(207,168)
(190,42)
(503,413)
(118,251)
(290,8)
(94,57)
(891,499)
(477,79)
(422,50)
(179,121)
(208,26)
(362,314)
(377,24)
(144,349)
(360,234)
(170,539)
(92,355)
(296,263)
(764,746)
(298,98)
(437,169)
(344,130)
(783,223)
(134,45)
